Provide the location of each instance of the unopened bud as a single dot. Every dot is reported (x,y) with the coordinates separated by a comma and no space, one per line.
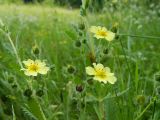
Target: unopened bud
(71,69)
(140,99)
(82,11)
(84,41)
(40,93)
(28,93)
(92,58)
(157,77)
(79,88)
(80,33)
(81,26)
(14,86)
(35,50)
(115,27)
(11,79)
(90,81)
(105,51)
(78,43)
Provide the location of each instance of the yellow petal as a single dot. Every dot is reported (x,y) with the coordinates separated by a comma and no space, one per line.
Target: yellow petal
(40,64)
(110,36)
(98,36)
(93,29)
(99,66)
(44,70)
(28,62)
(90,71)
(100,79)
(30,73)
(112,79)
(104,29)
(107,69)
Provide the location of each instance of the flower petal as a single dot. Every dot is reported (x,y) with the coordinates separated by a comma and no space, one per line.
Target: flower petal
(110,36)
(28,62)
(93,29)
(99,66)
(104,29)
(98,36)
(112,79)
(43,70)
(90,70)
(107,69)
(100,79)
(30,73)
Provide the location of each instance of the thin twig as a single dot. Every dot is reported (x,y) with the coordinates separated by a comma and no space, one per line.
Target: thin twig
(139,36)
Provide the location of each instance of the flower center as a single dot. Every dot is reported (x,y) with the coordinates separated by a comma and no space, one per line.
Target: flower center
(101,73)
(102,33)
(33,67)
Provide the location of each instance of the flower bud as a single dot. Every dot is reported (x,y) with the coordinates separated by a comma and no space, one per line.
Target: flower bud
(84,41)
(14,86)
(90,81)
(35,50)
(140,99)
(81,26)
(117,37)
(4,98)
(78,43)
(157,77)
(71,69)
(28,93)
(3,27)
(82,11)
(80,33)
(115,27)
(105,51)
(8,111)
(79,88)
(11,79)
(40,93)
(92,58)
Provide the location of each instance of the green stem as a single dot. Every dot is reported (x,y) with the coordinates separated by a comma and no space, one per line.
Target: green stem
(125,57)
(144,110)
(102,110)
(150,37)
(91,43)
(15,50)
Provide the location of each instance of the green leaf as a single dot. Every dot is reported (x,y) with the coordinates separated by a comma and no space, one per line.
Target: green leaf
(35,109)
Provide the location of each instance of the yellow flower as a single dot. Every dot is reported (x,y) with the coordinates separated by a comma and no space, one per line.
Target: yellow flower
(32,68)
(102,32)
(101,73)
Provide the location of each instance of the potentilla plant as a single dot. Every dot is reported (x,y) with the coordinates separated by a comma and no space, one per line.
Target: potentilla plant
(96,88)
(31,68)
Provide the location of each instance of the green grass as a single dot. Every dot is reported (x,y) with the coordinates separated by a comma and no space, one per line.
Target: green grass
(134,60)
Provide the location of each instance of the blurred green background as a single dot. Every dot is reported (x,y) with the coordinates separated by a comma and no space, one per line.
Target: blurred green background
(54,26)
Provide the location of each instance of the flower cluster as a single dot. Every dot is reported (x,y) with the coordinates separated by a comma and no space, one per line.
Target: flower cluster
(98,71)
(101,73)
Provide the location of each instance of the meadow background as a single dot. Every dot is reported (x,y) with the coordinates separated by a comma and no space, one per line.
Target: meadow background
(57,32)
